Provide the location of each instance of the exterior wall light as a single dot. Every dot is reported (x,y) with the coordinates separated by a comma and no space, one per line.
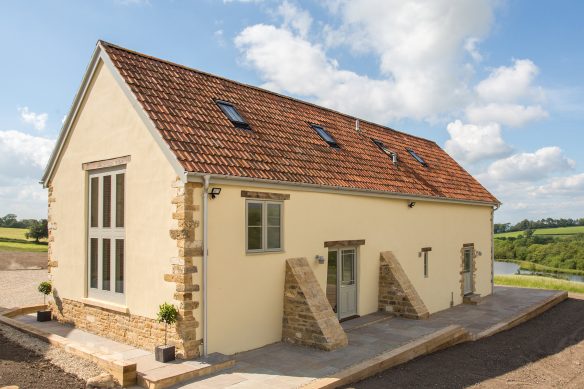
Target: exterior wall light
(320,259)
(215,192)
(411,204)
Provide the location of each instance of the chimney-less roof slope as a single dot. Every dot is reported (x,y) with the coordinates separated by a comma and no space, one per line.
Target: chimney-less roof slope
(281,144)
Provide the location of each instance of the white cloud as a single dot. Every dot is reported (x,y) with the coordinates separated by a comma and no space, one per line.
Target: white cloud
(18,148)
(295,18)
(513,115)
(509,84)
(470,45)
(37,120)
(22,160)
(570,185)
(219,37)
(471,143)
(292,64)
(420,45)
(526,167)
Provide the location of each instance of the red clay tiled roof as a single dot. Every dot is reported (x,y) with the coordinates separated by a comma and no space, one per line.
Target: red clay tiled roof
(281,144)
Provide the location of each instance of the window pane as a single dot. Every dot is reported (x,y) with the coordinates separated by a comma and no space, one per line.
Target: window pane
(348,275)
(93,263)
(107,201)
(274,215)
(119,266)
(467,260)
(105,271)
(254,214)
(94,200)
(120,199)
(254,238)
(425,264)
(331,279)
(274,237)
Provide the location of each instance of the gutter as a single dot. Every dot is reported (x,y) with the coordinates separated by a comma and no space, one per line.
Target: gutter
(206,180)
(225,179)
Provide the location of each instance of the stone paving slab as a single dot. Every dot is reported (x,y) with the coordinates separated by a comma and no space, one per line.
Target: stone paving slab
(288,366)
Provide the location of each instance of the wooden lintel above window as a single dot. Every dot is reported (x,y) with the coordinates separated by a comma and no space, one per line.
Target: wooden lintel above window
(264,195)
(468,245)
(106,163)
(425,249)
(344,243)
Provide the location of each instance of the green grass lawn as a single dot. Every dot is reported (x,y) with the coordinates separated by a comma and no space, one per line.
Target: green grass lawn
(545,231)
(13,239)
(538,282)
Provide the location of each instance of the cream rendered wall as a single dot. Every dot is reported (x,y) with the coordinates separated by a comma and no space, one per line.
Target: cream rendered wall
(109,127)
(245,294)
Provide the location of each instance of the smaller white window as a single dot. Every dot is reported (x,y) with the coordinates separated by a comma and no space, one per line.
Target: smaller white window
(263,224)
(425,254)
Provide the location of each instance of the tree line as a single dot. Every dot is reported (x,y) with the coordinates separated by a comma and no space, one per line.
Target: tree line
(564,253)
(37,229)
(535,224)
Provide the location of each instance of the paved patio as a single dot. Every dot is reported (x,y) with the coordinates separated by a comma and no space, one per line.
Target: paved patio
(287,366)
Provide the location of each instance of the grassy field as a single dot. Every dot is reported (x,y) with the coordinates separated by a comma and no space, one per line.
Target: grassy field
(538,282)
(13,239)
(545,231)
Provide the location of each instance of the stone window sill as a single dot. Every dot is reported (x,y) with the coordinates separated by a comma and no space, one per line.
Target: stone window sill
(105,305)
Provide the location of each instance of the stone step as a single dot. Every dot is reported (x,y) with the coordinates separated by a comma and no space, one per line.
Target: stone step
(174,373)
(472,299)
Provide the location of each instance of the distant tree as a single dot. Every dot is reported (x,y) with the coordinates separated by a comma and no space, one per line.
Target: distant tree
(8,221)
(498,227)
(38,230)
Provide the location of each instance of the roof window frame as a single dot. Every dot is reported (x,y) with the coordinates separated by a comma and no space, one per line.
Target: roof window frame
(417,157)
(323,133)
(237,123)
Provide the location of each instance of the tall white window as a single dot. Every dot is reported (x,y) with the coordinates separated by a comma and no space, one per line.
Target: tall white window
(263,226)
(106,238)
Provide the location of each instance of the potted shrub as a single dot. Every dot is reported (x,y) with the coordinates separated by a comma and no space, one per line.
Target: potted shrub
(167,314)
(45,288)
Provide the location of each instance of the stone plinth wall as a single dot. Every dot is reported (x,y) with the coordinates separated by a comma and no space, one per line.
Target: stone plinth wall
(396,292)
(122,327)
(308,317)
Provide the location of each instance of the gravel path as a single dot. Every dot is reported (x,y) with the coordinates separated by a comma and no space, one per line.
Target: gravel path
(545,352)
(58,357)
(19,287)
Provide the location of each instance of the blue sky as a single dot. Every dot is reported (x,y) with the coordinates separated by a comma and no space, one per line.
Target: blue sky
(498,84)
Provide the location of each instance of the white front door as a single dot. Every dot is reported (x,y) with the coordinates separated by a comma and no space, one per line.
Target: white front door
(341,288)
(347,283)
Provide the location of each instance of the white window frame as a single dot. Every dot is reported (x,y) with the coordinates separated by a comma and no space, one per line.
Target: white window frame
(101,233)
(264,226)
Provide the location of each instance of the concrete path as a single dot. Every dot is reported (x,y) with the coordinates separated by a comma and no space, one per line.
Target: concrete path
(286,366)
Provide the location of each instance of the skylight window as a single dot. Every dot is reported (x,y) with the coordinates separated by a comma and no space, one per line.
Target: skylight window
(383,148)
(387,151)
(232,114)
(417,157)
(325,135)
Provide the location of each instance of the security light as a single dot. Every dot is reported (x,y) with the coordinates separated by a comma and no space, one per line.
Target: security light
(215,192)
(411,204)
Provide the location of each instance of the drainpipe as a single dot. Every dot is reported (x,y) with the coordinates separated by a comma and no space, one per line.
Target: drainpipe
(205,195)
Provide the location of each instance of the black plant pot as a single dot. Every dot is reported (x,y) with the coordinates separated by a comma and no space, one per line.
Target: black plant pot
(164,353)
(44,316)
